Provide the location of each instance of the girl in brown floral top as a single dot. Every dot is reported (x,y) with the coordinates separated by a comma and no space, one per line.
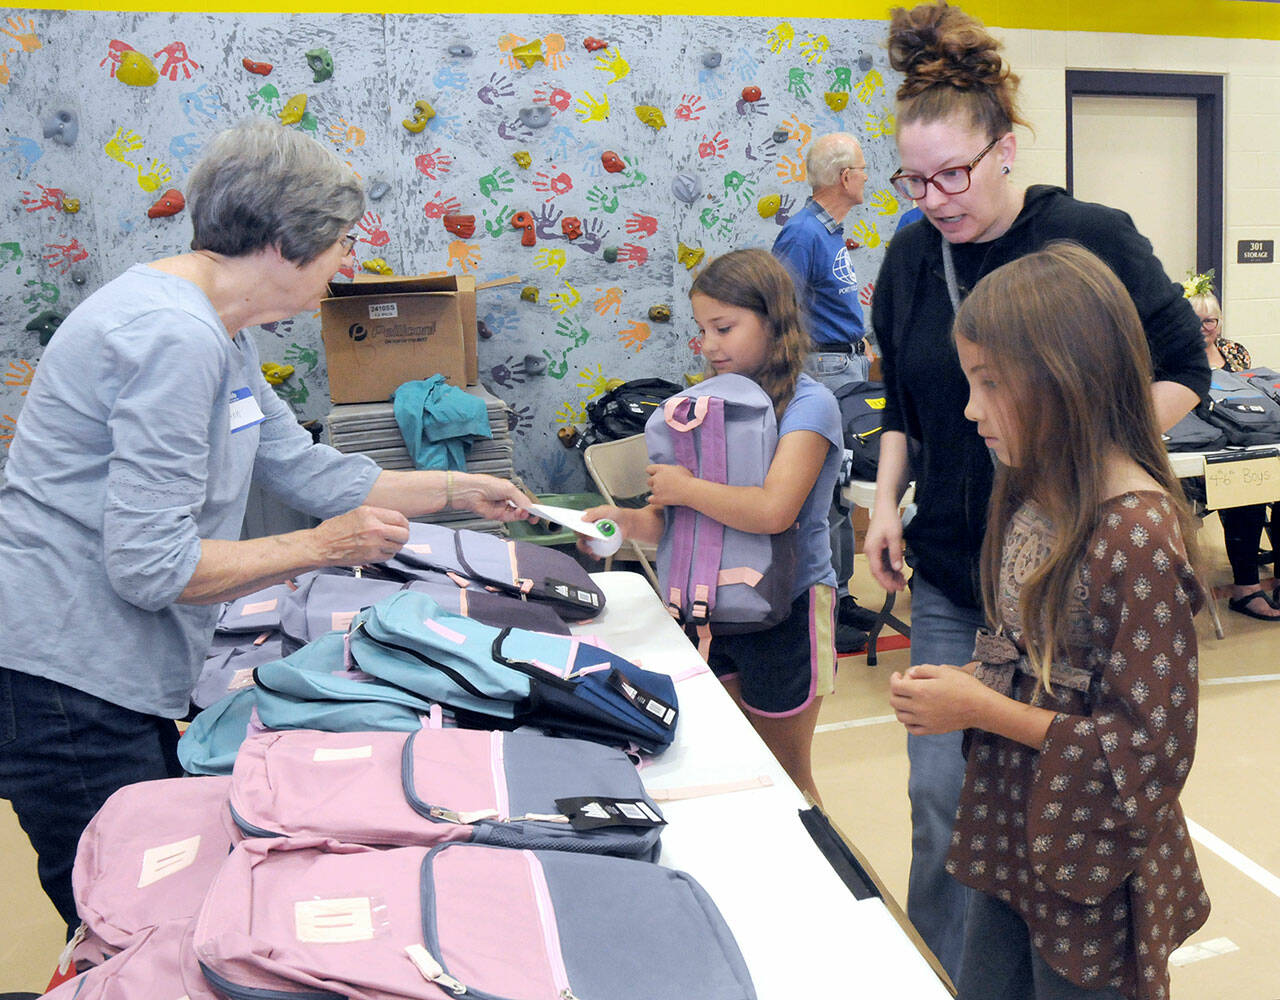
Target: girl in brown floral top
(1081,704)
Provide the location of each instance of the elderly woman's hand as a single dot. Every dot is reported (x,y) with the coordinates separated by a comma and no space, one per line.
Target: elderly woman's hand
(361,536)
(487,496)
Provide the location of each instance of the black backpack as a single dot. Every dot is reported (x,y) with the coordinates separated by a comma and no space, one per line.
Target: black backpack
(623,411)
(862,418)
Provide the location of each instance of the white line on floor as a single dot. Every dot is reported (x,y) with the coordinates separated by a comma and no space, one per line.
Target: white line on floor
(1189,953)
(1234,858)
(875,720)
(1252,679)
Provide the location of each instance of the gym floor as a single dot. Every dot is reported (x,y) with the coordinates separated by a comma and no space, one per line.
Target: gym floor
(861,768)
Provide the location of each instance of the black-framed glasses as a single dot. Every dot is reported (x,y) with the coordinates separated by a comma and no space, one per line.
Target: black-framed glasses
(348,243)
(1210,322)
(948,180)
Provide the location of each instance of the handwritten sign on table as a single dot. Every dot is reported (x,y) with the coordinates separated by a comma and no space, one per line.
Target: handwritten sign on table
(1236,480)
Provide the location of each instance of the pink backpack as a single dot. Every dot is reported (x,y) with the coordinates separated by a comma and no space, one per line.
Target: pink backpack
(293,918)
(145,858)
(159,964)
(436,785)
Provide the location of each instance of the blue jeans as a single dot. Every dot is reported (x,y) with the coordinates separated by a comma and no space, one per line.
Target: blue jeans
(1000,960)
(834,370)
(62,753)
(941,632)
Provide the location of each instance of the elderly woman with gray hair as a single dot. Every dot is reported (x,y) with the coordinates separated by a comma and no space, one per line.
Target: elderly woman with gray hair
(129,474)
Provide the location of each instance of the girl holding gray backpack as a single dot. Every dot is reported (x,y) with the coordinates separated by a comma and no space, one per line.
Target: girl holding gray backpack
(749,326)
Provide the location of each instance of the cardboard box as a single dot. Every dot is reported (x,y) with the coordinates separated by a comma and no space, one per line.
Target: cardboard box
(380,332)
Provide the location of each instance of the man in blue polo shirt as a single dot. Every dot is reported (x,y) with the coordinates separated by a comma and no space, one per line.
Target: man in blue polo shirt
(813,249)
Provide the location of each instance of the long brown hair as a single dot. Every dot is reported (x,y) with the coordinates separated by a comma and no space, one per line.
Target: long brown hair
(951,64)
(1064,338)
(753,279)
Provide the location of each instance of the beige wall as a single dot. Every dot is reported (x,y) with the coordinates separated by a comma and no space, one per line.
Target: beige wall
(1251,201)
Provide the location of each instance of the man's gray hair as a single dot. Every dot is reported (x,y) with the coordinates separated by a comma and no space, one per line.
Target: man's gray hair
(259,184)
(828,155)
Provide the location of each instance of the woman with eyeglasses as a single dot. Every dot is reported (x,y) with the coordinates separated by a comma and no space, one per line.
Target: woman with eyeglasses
(129,473)
(956,110)
(1241,526)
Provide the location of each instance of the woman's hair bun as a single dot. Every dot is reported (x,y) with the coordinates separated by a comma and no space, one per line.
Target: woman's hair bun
(936,43)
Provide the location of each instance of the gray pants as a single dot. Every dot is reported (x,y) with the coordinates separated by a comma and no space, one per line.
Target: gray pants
(835,370)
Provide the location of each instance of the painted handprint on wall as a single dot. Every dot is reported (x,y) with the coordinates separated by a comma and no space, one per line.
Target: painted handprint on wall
(868,85)
(885,124)
(434,164)
(176,60)
(19,375)
(497,88)
(641,226)
(466,256)
(61,256)
(612,61)
(591,108)
(549,259)
(815,48)
(884,202)
(780,37)
(440,206)
(611,300)
(634,336)
(23,34)
(552,184)
(713,146)
(690,108)
(120,145)
(154,177)
(866,233)
(563,301)
(799,82)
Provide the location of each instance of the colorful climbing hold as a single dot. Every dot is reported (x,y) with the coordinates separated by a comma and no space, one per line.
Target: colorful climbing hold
(276,374)
(686,187)
(837,100)
(169,203)
(293,109)
(460,225)
(650,115)
(780,135)
(689,256)
(768,206)
(660,314)
(610,255)
(70,205)
(378,266)
(423,112)
(751,94)
(523,220)
(571,226)
(593,44)
(321,63)
(260,68)
(529,293)
(522,158)
(535,117)
(136,70)
(44,325)
(62,126)
(612,161)
(711,59)
(529,53)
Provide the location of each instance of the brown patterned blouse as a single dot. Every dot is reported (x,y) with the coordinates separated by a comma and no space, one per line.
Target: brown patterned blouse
(1085,837)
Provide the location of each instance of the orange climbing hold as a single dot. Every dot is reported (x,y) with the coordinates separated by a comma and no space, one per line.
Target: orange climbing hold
(169,203)
(260,68)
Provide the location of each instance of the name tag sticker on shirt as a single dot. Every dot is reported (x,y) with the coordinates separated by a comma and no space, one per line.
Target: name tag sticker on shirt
(245,411)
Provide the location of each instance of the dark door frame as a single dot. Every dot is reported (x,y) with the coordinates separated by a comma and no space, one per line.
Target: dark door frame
(1207,91)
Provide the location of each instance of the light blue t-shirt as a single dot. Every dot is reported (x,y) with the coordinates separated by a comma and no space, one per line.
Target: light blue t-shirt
(139,436)
(814,408)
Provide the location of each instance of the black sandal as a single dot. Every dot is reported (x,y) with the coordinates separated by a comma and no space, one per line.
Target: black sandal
(1240,605)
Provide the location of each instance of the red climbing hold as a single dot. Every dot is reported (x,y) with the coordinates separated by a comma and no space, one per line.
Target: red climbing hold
(751,94)
(612,161)
(461,225)
(261,68)
(592,44)
(170,203)
(523,220)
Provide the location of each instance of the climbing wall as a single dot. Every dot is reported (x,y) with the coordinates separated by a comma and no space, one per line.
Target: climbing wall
(663,139)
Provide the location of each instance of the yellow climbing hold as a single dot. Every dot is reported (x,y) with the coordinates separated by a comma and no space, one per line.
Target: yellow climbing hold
(650,115)
(529,293)
(689,256)
(529,53)
(694,379)
(276,374)
(768,206)
(136,70)
(522,158)
(837,100)
(293,109)
(377,266)
(422,113)
(71,205)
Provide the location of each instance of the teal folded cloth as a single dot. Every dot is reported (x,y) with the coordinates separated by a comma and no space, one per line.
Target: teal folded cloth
(438,421)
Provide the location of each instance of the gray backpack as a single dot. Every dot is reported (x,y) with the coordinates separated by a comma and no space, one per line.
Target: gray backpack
(722,430)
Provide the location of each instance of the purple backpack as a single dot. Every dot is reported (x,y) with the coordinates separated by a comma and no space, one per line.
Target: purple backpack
(160,963)
(722,430)
(521,569)
(438,785)
(289,918)
(147,857)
